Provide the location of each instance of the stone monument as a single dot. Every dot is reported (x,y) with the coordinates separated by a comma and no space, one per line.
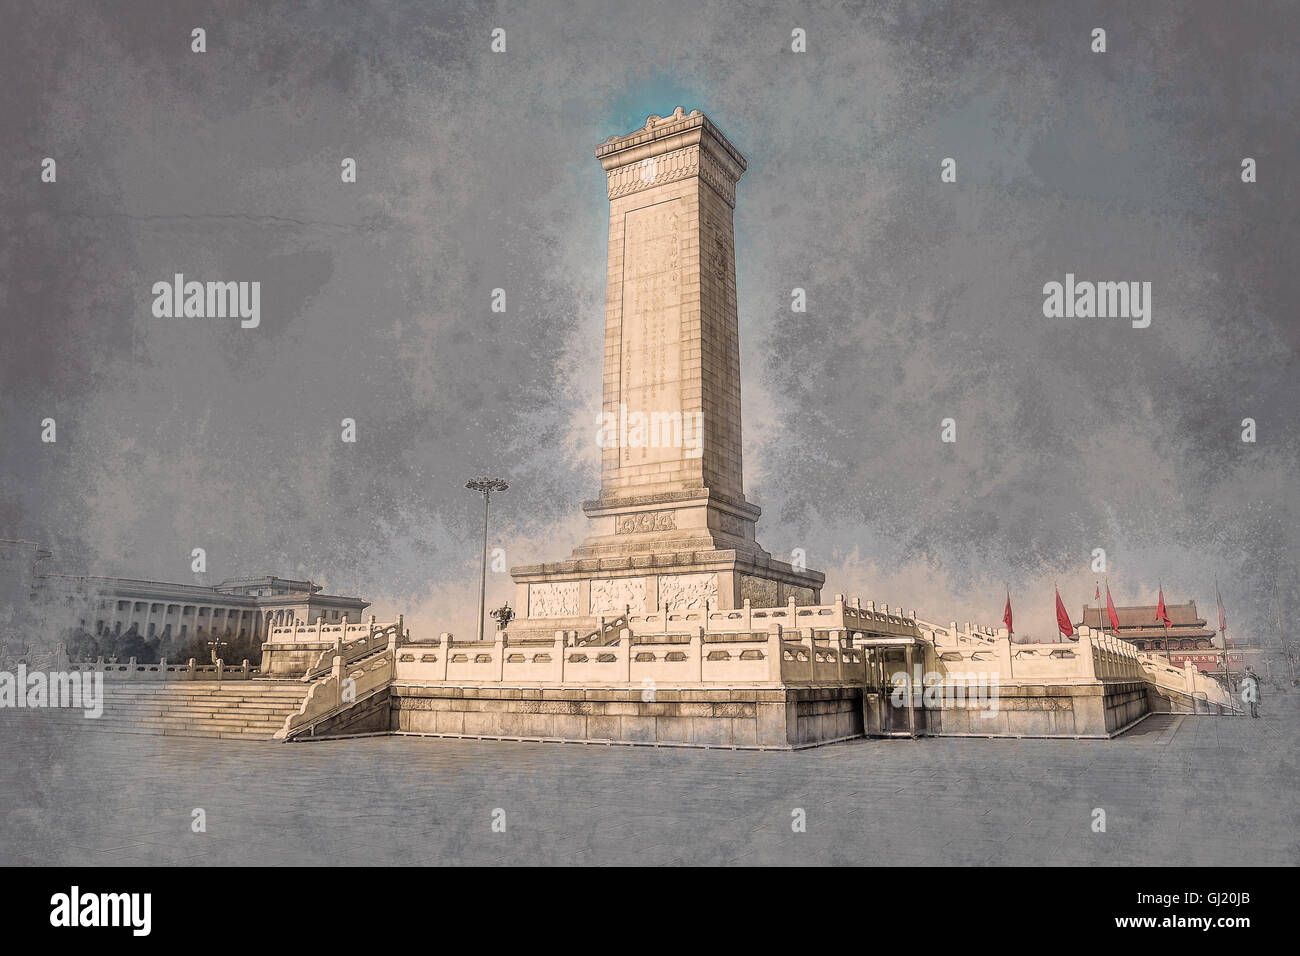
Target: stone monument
(671,527)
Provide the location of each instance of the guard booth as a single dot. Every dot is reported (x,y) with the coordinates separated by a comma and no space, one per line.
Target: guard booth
(893,703)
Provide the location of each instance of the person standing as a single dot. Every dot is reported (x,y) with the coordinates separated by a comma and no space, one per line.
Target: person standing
(1250,690)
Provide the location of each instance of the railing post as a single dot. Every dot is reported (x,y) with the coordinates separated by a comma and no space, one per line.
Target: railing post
(339,676)
(499,655)
(444,654)
(809,635)
(697,653)
(560,651)
(775,652)
(1005,652)
(1088,667)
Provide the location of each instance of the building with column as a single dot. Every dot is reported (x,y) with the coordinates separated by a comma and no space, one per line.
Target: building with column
(39,604)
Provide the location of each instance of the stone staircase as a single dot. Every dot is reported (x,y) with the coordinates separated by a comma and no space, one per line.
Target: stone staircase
(236,710)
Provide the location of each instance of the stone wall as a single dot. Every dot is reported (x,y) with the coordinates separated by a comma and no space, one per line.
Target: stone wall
(769,718)
(1039,710)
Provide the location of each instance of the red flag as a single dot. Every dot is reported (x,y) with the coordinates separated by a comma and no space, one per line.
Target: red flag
(1110,610)
(1062,618)
(1097,596)
(1006,616)
(1161,613)
(1223,617)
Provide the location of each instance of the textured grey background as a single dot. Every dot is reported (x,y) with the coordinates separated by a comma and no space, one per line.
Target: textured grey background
(476,171)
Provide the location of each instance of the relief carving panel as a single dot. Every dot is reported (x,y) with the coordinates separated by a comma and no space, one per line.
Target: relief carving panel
(802,596)
(647,521)
(555,599)
(761,592)
(613,595)
(688,591)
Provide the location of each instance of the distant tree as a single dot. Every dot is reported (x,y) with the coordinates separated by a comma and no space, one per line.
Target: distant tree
(130,644)
(82,646)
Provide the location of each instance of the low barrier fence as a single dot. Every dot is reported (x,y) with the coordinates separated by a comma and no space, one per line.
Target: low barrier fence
(776,656)
(57,661)
(345,685)
(839,615)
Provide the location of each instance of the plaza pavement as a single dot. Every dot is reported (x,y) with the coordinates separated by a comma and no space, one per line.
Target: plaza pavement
(1176,790)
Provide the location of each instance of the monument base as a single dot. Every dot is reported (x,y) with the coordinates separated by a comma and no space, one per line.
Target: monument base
(573,595)
(1094,710)
(781,718)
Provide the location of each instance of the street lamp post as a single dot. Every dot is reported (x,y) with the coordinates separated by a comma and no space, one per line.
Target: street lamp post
(485,486)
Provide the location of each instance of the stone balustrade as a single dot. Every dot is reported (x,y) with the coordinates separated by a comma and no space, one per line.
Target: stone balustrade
(366,639)
(306,651)
(1094,656)
(746,619)
(346,685)
(723,658)
(57,661)
(1186,680)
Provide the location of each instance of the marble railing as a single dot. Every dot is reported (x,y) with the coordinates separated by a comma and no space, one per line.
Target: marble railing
(367,639)
(57,661)
(1186,680)
(164,670)
(1092,657)
(838,616)
(320,632)
(344,686)
(771,657)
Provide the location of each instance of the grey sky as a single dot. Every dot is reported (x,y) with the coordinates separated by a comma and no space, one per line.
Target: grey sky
(476,170)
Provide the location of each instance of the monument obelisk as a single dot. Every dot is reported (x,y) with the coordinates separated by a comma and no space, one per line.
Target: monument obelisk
(671,526)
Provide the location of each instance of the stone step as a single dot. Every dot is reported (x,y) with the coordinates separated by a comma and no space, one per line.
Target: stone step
(119,703)
(204,686)
(145,690)
(264,730)
(250,719)
(235,710)
(216,702)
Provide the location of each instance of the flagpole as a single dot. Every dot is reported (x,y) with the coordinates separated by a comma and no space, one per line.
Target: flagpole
(1169,659)
(1223,634)
(1103,613)
(1101,618)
